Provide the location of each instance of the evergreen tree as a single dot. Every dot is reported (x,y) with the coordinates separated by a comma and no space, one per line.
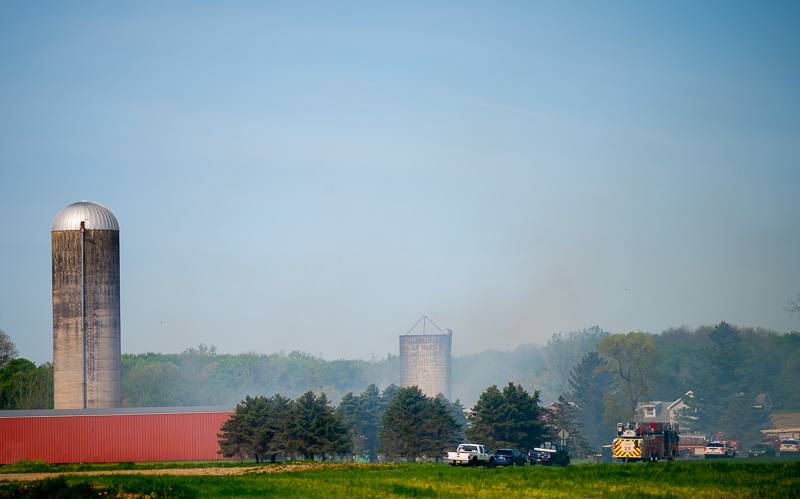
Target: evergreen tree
(588,382)
(370,415)
(403,432)
(723,399)
(349,410)
(388,394)
(255,419)
(315,428)
(334,435)
(488,410)
(441,428)
(506,419)
(459,413)
(234,437)
(362,416)
(274,436)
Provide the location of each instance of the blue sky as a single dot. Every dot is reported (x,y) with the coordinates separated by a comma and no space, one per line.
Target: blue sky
(316,176)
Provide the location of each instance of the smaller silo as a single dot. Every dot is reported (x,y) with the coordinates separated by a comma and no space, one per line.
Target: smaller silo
(425,358)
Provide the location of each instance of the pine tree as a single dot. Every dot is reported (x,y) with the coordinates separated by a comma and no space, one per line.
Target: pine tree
(362,416)
(459,413)
(349,411)
(589,381)
(506,419)
(723,399)
(370,415)
(234,437)
(403,429)
(274,437)
(332,437)
(441,428)
(315,428)
(487,411)
(388,394)
(255,420)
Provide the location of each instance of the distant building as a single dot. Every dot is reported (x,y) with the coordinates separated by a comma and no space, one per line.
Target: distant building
(658,411)
(785,425)
(425,358)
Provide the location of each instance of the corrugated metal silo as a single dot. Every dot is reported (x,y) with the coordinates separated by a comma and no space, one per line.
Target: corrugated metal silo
(425,359)
(86,308)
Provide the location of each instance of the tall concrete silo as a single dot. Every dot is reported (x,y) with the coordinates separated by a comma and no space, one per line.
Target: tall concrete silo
(425,358)
(86,321)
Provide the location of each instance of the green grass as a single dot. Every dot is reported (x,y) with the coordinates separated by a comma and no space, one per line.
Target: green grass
(744,478)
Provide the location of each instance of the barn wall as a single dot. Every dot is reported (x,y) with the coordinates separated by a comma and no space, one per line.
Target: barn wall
(111,438)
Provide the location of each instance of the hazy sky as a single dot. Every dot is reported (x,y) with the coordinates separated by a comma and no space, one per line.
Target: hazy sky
(316,176)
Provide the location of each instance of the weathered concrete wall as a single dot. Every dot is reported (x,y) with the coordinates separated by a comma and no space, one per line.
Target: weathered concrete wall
(425,362)
(101,362)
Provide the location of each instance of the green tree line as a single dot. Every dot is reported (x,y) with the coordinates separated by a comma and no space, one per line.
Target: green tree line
(729,378)
(397,423)
(596,376)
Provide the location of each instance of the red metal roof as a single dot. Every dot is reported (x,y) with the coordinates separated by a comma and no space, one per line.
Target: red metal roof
(104,437)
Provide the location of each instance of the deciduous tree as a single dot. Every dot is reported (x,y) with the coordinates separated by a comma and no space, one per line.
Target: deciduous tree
(631,361)
(563,415)
(8,350)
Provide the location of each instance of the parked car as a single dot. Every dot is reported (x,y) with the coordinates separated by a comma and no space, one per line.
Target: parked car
(469,455)
(719,449)
(549,454)
(508,457)
(789,447)
(761,450)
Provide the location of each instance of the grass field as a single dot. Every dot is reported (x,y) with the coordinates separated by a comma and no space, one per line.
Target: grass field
(741,478)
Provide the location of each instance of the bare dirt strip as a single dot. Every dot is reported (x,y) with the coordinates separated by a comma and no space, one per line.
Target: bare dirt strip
(291,468)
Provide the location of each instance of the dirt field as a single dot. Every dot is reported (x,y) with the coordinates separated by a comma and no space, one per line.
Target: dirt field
(249,470)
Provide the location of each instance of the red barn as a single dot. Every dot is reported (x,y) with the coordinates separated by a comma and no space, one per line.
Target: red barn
(112,435)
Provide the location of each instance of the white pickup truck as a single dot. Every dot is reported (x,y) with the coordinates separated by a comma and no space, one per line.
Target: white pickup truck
(469,455)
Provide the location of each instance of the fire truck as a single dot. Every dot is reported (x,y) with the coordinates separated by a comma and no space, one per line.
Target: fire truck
(692,445)
(645,442)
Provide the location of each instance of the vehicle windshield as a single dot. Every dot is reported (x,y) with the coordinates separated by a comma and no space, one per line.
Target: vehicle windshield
(469,448)
(790,442)
(504,452)
(715,444)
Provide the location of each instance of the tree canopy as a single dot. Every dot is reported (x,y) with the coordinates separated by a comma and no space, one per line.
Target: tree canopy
(589,381)
(415,425)
(631,360)
(506,418)
(8,350)
(270,427)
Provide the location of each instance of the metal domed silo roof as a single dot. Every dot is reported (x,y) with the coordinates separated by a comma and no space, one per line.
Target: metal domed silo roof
(95,216)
